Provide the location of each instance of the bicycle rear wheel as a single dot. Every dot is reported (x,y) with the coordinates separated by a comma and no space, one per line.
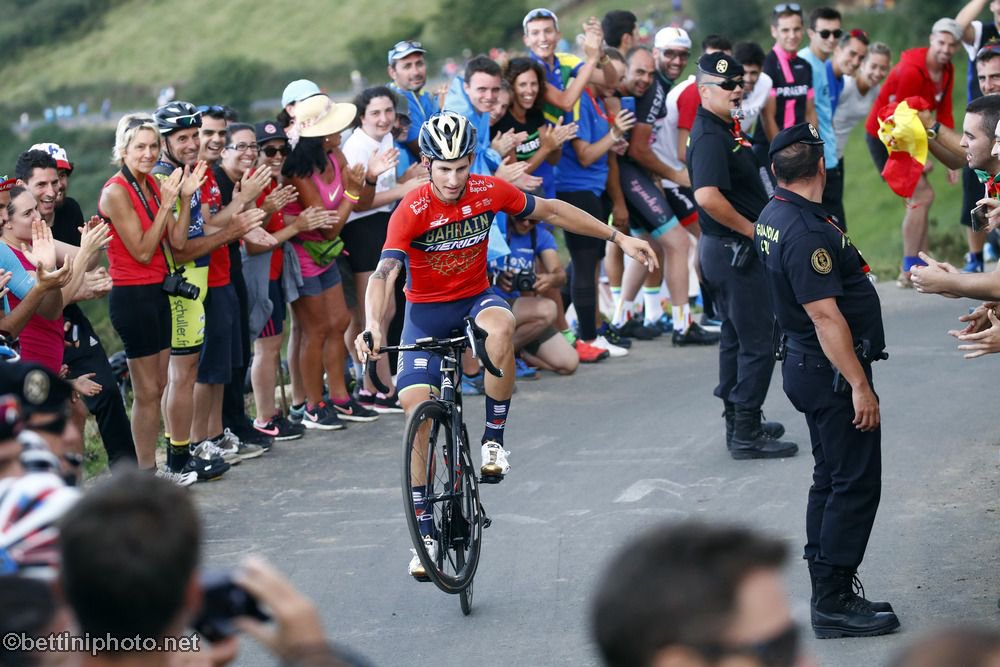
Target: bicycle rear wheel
(451,499)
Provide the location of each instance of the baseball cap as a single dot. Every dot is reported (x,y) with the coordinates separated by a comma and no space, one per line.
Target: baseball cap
(298,90)
(539,13)
(57,152)
(268,130)
(949,26)
(671,36)
(404,48)
(720,64)
(7,183)
(803,133)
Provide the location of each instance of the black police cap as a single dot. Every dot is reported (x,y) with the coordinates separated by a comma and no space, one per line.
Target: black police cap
(720,64)
(803,133)
(39,389)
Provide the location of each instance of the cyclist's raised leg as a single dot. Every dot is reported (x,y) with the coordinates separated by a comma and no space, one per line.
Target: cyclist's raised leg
(494,315)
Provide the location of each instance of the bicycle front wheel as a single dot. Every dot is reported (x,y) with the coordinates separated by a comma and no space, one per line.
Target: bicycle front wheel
(450,512)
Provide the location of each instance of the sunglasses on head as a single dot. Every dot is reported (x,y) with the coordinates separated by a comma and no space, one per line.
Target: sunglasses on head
(727,85)
(827,34)
(404,46)
(271,151)
(222,110)
(782,650)
(793,7)
(136,122)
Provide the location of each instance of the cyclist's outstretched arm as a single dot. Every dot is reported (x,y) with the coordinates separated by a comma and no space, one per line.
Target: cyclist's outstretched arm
(381,288)
(571,218)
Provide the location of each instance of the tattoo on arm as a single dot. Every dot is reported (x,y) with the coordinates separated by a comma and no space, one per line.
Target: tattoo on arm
(385,267)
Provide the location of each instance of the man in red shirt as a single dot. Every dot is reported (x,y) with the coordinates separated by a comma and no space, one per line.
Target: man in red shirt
(440,232)
(927,73)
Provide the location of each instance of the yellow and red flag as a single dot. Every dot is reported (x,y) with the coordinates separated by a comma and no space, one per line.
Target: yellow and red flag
(904,136)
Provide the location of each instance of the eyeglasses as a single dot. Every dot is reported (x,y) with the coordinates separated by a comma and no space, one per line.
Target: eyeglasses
(404,48)
(827,34)
(186,121)
(242,147)
(728,85)
(271,151)
(779,651)
(676,55)
(784,7)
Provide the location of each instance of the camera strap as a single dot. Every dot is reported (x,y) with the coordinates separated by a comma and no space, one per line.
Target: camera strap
(134,184)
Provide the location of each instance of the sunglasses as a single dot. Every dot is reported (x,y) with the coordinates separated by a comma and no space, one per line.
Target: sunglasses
(186,121)
(780,651)
(827,34)
(141,120)
(728,85)
(404,47)
(784,7)
(676,55)
(216,110)
(271,151)
(242,147)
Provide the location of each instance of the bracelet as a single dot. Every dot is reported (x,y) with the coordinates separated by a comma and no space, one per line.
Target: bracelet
(614,235)
(370,182)
(353,197)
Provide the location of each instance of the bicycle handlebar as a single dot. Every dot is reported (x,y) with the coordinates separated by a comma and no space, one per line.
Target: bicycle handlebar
(371,367)
(477,337)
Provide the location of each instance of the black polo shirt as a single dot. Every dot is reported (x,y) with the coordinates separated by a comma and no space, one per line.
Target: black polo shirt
(717,157)
(807,258)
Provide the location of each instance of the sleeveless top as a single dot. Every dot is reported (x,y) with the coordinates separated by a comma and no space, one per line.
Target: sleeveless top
(41,339)
(332,194)
(123,267)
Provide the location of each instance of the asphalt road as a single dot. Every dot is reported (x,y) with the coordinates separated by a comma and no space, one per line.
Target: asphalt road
(598,457)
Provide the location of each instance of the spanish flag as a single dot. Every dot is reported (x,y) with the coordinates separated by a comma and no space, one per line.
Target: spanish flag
(904,136)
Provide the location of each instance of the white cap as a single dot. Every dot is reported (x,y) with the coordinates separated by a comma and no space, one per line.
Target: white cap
(949,26)
(671,36)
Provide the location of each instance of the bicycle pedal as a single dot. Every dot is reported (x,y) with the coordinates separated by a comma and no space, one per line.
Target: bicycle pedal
(487,522)
(490,479)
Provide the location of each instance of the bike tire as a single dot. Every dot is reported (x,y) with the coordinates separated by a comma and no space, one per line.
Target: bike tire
(456,514)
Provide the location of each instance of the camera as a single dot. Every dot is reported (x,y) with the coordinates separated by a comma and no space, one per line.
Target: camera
(524,280)
(223,601)
(175,285)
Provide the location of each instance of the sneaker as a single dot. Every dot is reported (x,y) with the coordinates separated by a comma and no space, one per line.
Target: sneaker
(613,350)
(903,280)
(416,568)
(354,412)
(387,405)
(494,460)
(322,417)
(664,325)
(208,448)
(280,429)
(296,414)
(245,448)
(178,478)
(589,354)
(614,336)
(475,385)
(972,264)
(205,465)
(635,329)
(522,371)
(364,398)
(247,434)
(710,323)
(248,450)
(694,335)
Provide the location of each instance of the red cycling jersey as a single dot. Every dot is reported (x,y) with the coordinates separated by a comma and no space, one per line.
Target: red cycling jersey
(444,245)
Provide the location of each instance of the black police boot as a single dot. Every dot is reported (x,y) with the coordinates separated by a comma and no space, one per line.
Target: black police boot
(773,429)
(857,590)
(838,612)
(751,441)
(694,335)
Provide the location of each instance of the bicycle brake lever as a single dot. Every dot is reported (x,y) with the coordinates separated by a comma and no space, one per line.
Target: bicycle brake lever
(371,366)
(477,337)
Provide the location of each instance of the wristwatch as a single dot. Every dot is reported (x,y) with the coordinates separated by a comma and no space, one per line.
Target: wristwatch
(605,59)
(932,131)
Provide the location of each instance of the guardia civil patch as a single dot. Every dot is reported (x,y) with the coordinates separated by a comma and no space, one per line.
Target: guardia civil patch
(821,262)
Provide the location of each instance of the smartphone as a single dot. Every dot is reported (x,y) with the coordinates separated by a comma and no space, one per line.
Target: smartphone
(628,103)
(223,601)
(978,218)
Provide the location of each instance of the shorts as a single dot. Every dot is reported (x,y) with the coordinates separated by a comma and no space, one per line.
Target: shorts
(363,240)
(223,348)
(316,285)
(141,316)
(436,320)
(878,151)
(648,209)
(681,202)
(187,316)
(533,346)
(276,324)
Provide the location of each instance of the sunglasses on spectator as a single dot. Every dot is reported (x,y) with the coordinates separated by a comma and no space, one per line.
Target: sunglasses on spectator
(827,34)
(242,147)
(676,55)
(404,47)
(141,120)
(727,85)
(218,110)
(793,7)
(782,650)
(271,151)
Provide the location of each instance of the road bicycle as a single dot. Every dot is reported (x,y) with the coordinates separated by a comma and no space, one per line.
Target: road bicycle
(444,465)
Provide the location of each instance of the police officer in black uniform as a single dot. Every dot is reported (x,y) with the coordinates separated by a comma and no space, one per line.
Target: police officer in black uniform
(725,177)
(830,316)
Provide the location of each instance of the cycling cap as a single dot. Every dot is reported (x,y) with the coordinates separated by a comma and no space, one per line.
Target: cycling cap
(57,152)
(176,116)
(447,136)
(30,509)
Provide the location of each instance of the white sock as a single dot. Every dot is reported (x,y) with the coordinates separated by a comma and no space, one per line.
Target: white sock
(677,313)
(652,304)
(622,312)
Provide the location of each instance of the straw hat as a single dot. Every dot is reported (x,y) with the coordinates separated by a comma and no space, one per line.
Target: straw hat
(318,116)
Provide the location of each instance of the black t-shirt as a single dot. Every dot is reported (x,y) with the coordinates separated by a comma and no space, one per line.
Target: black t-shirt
(807,258)
(67,221)
(533,121)
(718,158)
(226,185)
(793,79)
(990,35)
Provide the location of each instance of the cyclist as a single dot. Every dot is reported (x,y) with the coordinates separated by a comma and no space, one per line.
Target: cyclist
(440,231)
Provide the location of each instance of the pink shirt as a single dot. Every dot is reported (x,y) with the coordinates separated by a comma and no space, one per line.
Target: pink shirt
(41,340)
(332,194)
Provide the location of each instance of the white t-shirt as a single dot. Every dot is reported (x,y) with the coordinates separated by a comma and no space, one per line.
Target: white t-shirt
(851,108)
(358,149)
(665,132)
